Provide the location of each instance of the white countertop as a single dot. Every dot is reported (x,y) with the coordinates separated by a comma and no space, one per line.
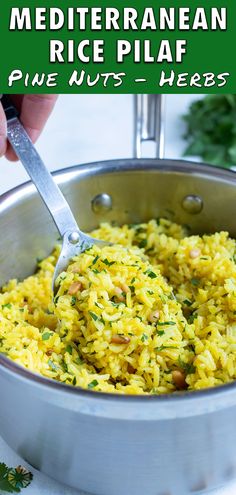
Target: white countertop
(86,128)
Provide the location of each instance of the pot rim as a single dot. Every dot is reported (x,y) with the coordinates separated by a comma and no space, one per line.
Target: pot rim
(111,166)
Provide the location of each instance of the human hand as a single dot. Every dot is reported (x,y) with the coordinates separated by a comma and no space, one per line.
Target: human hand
(34,111)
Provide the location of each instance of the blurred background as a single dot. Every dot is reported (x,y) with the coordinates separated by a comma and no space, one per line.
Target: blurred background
(85,128)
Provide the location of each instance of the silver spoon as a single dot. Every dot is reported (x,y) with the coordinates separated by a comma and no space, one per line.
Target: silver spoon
(74,241)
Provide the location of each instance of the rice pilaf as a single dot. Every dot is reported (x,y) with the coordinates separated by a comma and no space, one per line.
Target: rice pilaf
(154,313)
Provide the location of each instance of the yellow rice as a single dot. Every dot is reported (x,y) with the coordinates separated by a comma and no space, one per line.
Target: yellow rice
(154,313)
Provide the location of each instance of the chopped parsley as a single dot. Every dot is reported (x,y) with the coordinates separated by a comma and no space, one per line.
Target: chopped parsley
(95,260)
(64,366)
(150,292)
(8,306)
(94,316)
(150,273)
(144,337)
(189,368)
(165,323)
(98,305)
(92,384)
(192,317)
(162,347)
(73,300)
(142,243)
(107,262)
(160,332)
(68,349)
(139,230)
(74,381)
(46,335)
(187,302)
(195,282)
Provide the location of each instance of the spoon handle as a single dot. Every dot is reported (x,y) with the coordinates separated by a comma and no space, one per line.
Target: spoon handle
(39,174)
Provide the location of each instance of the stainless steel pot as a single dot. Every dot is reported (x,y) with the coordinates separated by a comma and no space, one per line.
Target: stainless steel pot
(105,444)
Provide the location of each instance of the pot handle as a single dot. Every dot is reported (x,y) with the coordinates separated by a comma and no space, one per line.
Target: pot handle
(149,123)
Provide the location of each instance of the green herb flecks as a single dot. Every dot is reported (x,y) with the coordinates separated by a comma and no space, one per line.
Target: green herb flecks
(116,304)
(100,306)
(142,243)
(187,302)
(8,306)
(46,335)
(150,273)
(138,229)
(68,349)
(107,262)
(195,282)
(189,368)
(165,323)
(95,260)
(192,317)
(160,332)
(93,384)
(73,300)
(144,337)
(64,367)
(163,347)
(94,316)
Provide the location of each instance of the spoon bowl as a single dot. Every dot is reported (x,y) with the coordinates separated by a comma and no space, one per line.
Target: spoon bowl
(74,243)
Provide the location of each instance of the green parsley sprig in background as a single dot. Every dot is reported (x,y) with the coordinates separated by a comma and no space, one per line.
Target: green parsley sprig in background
(12,480)
(211,130)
